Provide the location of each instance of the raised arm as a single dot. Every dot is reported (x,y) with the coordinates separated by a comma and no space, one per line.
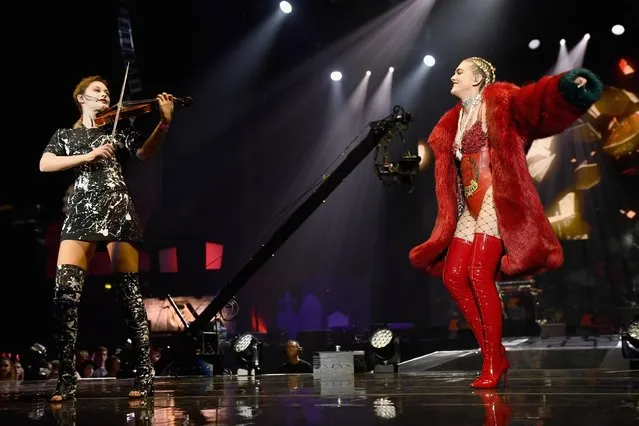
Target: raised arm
(550,105)
(157,138)
(153,142)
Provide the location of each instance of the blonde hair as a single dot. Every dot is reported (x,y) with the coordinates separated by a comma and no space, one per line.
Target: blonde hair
(80,88)
(484,68)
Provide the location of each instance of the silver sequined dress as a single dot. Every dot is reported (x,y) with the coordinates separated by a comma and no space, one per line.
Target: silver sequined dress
(100,207)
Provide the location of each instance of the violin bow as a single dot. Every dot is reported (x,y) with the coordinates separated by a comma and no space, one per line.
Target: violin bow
(117,112)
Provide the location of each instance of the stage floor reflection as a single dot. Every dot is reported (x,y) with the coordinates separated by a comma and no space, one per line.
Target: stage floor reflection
(441,397)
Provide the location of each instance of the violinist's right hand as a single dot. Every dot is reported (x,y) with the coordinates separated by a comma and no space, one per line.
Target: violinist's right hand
(102,152)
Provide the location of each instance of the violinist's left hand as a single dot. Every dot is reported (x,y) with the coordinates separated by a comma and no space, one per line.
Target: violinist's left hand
(166,106)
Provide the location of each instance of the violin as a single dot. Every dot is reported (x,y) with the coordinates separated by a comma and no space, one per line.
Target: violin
(134,108)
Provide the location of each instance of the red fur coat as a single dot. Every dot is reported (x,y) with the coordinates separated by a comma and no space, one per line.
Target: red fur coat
(515,117)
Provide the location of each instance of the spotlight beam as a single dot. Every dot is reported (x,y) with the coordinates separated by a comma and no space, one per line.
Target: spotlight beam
(381,131)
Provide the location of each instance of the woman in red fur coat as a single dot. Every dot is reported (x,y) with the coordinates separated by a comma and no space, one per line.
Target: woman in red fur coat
(489,215)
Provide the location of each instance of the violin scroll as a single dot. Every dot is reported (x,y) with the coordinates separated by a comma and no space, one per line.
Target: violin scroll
(182,102)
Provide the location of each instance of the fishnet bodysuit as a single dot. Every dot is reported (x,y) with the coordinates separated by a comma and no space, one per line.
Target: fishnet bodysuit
(479,214)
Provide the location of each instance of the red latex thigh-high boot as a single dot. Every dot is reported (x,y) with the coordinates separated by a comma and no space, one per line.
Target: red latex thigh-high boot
(487,252)
(457,283)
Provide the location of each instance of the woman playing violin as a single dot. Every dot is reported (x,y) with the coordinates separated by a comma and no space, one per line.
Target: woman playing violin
(100,211)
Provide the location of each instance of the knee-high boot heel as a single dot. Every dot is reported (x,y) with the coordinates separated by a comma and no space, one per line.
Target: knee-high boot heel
(69,280)
(487,251)
(130,299)
(457,283)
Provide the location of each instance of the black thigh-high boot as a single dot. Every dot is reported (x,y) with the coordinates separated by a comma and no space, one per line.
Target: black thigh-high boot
(69,280)
(130,299)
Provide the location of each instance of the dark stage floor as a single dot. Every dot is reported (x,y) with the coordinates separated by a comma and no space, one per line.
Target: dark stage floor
(549,384)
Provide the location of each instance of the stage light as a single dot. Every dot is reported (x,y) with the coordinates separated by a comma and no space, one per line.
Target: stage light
(383,351)
(429,60)
(562,41)
(633,331)
(587,36)
(534,44)
(35,363)
(630,341)
(286,7)
(391,69)
(336,76)
(248,354)
(368,73)
(618,29)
